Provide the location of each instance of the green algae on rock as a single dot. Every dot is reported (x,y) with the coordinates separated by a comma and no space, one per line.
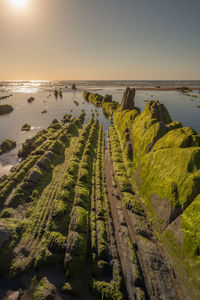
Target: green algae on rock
(7,146)
(26,127)
(105,102)
(165,169)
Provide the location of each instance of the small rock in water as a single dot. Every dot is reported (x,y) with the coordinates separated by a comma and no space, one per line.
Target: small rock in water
(31,99)
(44,112)
(26,127)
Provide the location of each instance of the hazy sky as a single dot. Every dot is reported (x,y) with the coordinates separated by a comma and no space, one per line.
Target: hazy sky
(100,39)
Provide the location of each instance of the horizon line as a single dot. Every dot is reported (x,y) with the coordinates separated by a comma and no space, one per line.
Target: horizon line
(1,80)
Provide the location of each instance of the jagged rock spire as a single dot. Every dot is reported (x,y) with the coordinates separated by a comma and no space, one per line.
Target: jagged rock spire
(128,99)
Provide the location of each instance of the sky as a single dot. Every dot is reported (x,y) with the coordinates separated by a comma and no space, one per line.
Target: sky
(100,40)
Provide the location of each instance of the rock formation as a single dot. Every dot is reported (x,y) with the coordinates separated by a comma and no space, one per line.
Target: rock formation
(5,109)
(56,93)
(26,127)
(31,99)
(128,99)
(74,86)
(5,97)
(166,170)
(7,146)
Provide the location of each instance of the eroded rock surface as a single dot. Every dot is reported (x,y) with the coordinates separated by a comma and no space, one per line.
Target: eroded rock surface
(5,234)
(165,167)
(128,99)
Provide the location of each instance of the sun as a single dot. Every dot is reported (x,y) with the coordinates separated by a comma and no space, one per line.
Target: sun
(19,3)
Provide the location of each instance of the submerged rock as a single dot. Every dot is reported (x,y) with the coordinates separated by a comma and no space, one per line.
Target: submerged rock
(5,109)
(128,99)
(7,146)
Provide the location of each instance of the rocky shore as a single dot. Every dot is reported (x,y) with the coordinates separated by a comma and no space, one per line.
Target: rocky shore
(85,219)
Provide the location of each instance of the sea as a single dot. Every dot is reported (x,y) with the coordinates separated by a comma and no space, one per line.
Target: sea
(182,107)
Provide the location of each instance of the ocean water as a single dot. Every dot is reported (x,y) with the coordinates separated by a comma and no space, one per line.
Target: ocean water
(42,86)
(181,107)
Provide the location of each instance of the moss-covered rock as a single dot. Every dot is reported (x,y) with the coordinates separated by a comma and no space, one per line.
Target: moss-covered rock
(165,168)
(31,144)
(67,288)
(67,118)
(178,138)
(147,128)
(7,146)
(79,220)
(26,127)
(107,104)
(57,147)
(105,290)
(76,243)
(44,290)
(55,124)
(34,176)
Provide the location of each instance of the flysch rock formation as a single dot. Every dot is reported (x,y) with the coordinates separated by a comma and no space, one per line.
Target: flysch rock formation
(164,167)
(128,99)
(122,222)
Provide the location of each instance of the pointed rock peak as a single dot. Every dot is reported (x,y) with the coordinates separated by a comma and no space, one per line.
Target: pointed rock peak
(128,99)
(159,112)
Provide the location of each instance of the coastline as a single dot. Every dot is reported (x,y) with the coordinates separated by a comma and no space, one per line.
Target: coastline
(168,88)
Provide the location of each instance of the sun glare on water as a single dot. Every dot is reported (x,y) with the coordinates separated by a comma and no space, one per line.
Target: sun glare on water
(19,3)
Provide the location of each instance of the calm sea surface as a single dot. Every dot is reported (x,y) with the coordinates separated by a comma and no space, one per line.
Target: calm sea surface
(181,107)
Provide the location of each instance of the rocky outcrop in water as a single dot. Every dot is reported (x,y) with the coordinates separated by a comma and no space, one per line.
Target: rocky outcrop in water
(5,109)
(5,97)
(107,104)
(128,99)
(26,127)
(31,99)
(7,146)
(74,86)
